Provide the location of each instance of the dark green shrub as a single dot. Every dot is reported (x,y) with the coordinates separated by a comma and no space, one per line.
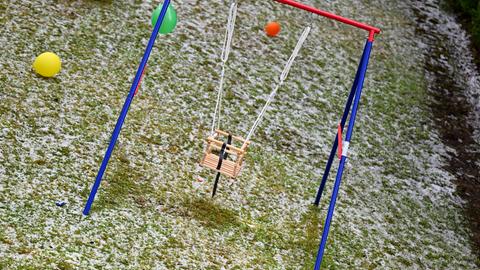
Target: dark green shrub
(471,11)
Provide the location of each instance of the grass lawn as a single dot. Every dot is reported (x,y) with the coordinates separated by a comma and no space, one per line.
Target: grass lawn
(396,208)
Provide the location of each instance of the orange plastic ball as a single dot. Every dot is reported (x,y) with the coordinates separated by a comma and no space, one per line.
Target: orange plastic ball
(272,29)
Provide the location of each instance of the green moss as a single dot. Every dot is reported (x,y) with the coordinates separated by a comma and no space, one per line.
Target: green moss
(124,185)
(24,250)
(309,236)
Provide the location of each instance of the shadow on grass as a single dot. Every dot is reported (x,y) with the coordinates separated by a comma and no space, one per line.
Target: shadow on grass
(209,214)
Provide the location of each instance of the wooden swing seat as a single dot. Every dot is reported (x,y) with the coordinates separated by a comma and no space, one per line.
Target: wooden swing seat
(230,167)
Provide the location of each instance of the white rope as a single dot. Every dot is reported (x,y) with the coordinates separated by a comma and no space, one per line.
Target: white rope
(264,109)
(283,76)
(232,16)
(219,101)
(295,52)
(225,53)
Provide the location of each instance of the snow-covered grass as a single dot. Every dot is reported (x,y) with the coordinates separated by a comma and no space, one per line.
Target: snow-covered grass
(396,209)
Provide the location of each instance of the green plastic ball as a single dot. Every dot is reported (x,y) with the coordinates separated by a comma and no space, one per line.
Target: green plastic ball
(169,21)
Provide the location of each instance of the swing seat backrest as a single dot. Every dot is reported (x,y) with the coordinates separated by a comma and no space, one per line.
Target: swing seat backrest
(230,167)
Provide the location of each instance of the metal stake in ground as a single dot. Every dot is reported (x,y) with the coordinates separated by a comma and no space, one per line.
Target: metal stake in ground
(126,106)
(223,155)
(215,185)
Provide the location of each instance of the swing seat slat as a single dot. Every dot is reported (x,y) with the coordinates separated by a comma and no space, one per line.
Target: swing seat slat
(228,166)
(232,166)
(218,145)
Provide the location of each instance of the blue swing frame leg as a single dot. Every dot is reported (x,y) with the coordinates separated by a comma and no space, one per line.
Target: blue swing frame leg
(351,123)
(126,106)
(346,111)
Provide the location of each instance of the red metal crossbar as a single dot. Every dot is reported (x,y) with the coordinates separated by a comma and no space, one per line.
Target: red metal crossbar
(372,30)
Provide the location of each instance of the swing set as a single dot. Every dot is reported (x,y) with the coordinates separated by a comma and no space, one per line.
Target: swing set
(225,153)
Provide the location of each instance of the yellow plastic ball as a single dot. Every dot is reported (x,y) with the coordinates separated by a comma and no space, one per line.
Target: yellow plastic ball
(47,64)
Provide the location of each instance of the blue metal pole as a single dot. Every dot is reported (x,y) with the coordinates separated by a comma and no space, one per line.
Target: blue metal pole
(335,143)
(125,108)
(351,123)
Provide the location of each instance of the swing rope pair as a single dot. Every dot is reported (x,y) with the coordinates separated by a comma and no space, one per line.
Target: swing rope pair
(225,53)
(219,162)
